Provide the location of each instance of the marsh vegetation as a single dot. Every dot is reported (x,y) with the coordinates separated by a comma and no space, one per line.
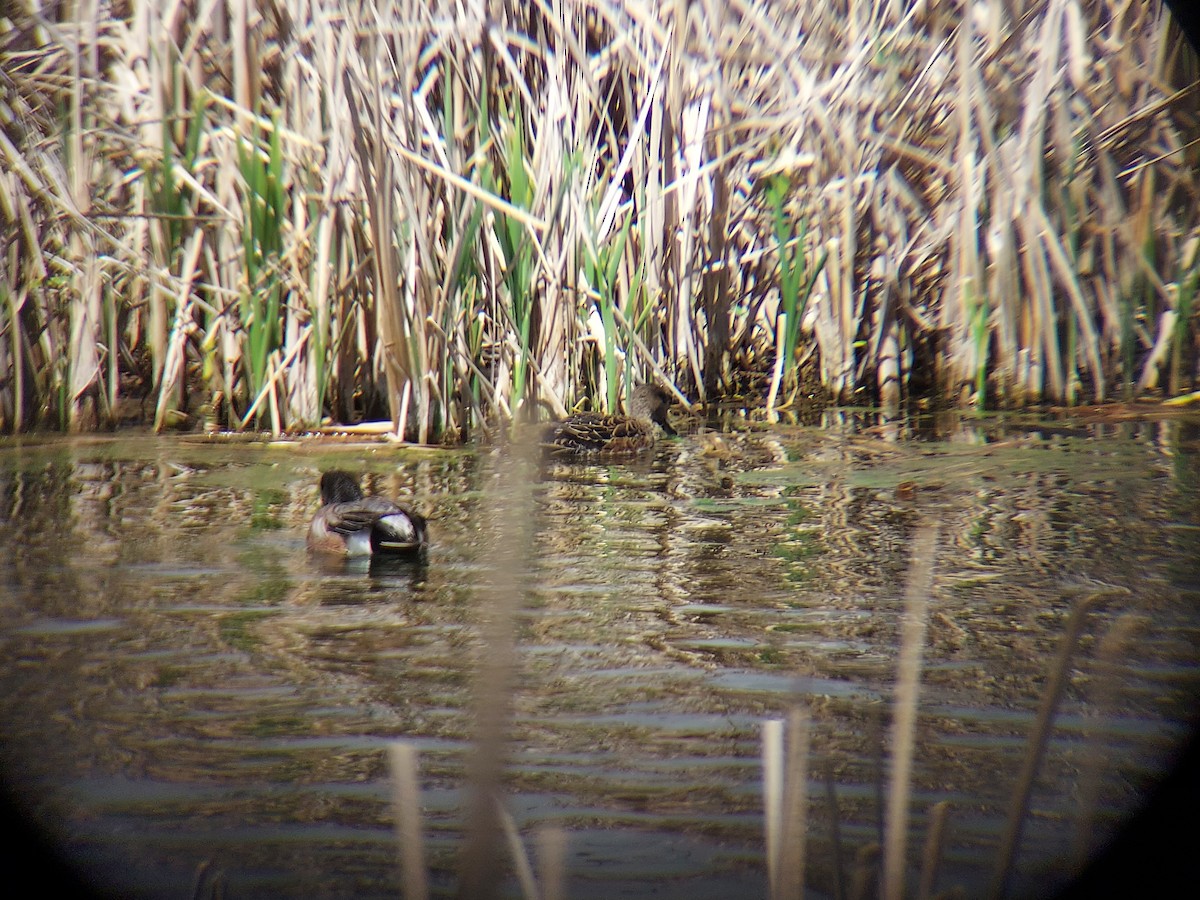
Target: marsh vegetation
(269,216)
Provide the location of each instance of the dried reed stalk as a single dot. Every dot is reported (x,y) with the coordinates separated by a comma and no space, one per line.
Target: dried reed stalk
(785,798)
(904,717)
(406,805)
(495,675)
(773,784)
(931,854)
(1003,202)
(552,862)
(1110,653)
(1038,738)
(835,831)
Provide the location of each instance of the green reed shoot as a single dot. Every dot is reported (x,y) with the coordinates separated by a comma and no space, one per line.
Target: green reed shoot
(980,337)
(170,199)
(642,307)
(264,207)
(1071,355)
(1186,305)
(461,321)
(795,280)
(517,187)
(600,264)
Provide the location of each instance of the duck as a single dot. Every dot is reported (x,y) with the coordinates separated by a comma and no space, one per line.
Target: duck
(352,524)
(590,432)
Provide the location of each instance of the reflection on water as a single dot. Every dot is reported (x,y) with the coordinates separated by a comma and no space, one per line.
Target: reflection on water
(187,695)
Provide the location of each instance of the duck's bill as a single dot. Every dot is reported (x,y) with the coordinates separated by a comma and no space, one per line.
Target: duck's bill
(399,546)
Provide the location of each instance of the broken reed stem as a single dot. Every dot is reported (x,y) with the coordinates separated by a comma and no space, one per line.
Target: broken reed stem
(795,822)
(406,803)
(517,848)
(785,798)
(835,833)
(903,737)
(269,388)
(866,865)
(1109,653)
(1037,745)
(777,369)
(931,856)
(551,843)
(772,762)
(510,515)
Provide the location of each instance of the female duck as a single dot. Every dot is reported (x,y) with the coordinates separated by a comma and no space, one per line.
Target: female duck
(590,432)
(352,524)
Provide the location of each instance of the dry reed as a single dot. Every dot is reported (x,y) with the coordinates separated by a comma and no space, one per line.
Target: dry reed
(449,215)
(552,862)
(904,715)
(785,756)
(1107,666)
(487,821)
(1055,685)
(509,514)
(406,803)
(931,853)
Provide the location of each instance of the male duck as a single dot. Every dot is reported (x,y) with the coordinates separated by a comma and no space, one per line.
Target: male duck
(590,432)
(352,524)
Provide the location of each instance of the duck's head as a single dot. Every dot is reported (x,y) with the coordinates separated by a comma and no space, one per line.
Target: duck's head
(339,487)
(650,402)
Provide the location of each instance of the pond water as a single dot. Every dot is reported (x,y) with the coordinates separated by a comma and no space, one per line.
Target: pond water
(191,702)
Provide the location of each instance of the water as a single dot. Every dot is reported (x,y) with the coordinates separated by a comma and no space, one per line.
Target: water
(188,698)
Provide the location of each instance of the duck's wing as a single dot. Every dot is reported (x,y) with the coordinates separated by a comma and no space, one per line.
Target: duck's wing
(358,515)
(624,428)
(590,431)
